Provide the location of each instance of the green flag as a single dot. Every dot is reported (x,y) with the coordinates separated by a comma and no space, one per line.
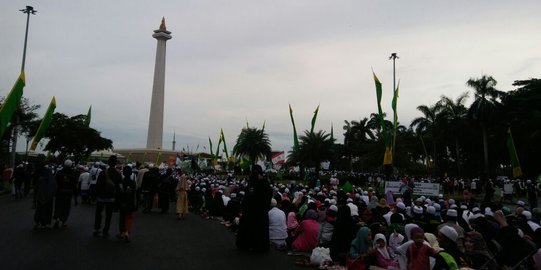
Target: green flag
(244,164)
(88,116)
(44,125)
(11,103)
(314,119)
(225,146)
(395,118)
(394,103)
(211,153)
(347,187)
(295,138)
(388,157)
(218,147)
(517,171)
(158,159)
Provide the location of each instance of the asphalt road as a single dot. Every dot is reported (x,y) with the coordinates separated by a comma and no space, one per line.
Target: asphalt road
(159,241)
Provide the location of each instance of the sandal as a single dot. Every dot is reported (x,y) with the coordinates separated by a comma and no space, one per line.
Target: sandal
(303,262)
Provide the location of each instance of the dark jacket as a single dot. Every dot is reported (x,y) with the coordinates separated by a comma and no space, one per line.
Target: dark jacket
(107,186)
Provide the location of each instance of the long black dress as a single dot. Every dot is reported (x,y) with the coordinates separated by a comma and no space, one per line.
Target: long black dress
(253,233)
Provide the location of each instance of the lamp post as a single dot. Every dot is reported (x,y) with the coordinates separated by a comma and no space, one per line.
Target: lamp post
(28,10)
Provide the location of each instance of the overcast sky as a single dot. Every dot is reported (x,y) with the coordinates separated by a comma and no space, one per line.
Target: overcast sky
(235,61)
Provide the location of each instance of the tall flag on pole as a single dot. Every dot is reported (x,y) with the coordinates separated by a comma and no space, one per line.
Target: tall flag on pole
(88,116)
(517,171)
(388,158)
(158,159)
(218,147)
(295,138)
(210,147)
(44,125)
(314,120)
(225,146)
(395,118)
(11,103)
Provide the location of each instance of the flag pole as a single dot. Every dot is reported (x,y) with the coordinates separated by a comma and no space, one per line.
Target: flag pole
(393,57)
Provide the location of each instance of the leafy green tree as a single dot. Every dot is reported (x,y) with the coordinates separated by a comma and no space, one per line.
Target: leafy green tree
(252,143)
(483,108)
(356,136)
(71,137)
(427,125)
(522,113)
(455,113)
(25,119)
(315,148)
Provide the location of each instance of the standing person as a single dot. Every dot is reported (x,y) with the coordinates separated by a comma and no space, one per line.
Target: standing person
(139,183)
(94,173)
(107,187)
(66,180)
(182,195)
(84,184)
(19,178)
(253,230)
(149,186)
(165,190)
(126,203)
(531,192)
(45,189)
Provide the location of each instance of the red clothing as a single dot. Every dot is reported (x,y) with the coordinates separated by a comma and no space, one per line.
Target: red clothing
(307,233)
(418,257)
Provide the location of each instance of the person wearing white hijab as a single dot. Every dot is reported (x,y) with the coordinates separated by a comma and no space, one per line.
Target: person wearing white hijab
(384,259)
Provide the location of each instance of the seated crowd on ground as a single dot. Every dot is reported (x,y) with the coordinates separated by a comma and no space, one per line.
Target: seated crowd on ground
(361,226)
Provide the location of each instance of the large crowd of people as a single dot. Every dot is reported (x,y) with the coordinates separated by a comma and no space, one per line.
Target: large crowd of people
(358,225)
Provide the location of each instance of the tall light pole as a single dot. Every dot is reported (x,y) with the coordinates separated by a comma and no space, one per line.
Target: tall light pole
(394,57)
(28,10)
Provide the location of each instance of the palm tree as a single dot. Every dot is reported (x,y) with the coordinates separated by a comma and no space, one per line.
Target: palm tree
(357,134)
(455,113)
(359,130)
(427,124)
(484,106)
(315,148)
(252,143)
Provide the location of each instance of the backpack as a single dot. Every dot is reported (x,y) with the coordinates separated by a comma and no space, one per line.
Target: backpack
(109,186)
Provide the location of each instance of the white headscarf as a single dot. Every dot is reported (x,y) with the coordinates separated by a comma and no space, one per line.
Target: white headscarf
(382,250)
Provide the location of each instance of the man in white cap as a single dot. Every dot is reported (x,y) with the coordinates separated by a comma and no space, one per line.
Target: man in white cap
(277,226)
(66,180)
(451,221)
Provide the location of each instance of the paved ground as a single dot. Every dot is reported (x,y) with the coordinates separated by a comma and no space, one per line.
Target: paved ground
(159,241)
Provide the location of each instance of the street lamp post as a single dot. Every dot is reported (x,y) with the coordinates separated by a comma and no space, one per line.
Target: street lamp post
(28,10)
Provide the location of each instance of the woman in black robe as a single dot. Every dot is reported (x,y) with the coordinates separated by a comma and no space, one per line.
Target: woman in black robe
(253,233)
(45,190)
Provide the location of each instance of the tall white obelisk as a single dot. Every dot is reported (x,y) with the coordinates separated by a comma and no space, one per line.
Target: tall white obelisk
(155,123)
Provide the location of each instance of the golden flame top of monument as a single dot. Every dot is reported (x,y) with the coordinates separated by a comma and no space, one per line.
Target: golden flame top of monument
(162,24)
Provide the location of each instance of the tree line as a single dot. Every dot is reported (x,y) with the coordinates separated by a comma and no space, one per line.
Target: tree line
(448,139)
